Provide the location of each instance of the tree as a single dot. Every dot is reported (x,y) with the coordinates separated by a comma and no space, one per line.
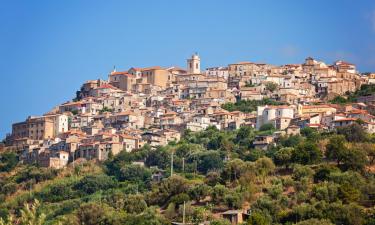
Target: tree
(209,160)
(326,191)
(245,136)
(315,222)
(271,86)
(233,170)
(199,192)
(353,133)
(30,214)
(257,218)
(149,217)
(8,161)
(323,172)
(59,191)
(307,153)
(135,173)
(255,154)
(162,193)
(310,133)
(8,221)
(266,127)
(264,166)
(369,149)
(301,171)
(336,148)
(134,204)
(159,157)
(291,141)
(93,183)
(354,159)
(233,200)
(212,178)
(218,193)
(339,100)
(348,193)
(344,214)
(93,213)
(248,105)
(283,156)
(220,222)
(105,109)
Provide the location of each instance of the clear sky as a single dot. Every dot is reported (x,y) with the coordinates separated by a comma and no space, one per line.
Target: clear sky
(49,48)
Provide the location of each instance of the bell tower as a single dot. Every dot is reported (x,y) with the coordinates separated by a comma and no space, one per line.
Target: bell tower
(194,64)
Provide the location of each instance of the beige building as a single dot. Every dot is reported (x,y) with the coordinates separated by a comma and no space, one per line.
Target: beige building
(41,127)
(122,80)
(35,128)
(99,151)
(156,76)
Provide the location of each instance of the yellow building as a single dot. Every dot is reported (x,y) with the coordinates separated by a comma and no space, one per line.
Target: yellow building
(315,109)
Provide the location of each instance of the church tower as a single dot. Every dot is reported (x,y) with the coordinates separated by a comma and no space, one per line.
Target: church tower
(194,64)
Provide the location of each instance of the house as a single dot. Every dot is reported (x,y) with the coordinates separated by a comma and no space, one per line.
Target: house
(235,216)
(104,90)
(249,93)
(131,142)
(56,160)
(157,137)
(201,123)
(293,130)
(343,122)
(262,141)
(277,115)
(97,150)
(217,72)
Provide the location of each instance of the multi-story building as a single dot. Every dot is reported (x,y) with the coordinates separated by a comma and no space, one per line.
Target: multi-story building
(279,116)
(40,128)
(217,72)
(122,80)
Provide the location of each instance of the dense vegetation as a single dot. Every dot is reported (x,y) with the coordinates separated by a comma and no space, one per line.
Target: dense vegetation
(248,105)
(312,178)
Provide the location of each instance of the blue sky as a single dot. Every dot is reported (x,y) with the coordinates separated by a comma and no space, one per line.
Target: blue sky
(49,48)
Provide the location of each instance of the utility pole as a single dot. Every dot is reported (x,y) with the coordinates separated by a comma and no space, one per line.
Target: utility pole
(73,159)
(172,165)
(183,164)
(183,215)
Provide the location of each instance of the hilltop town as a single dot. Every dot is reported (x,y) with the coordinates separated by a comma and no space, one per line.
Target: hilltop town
(157,105)
(249,143)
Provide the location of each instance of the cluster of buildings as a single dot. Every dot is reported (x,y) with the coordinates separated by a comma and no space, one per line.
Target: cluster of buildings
(155,105)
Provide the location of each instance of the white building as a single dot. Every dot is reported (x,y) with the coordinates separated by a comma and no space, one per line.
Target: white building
(60,122)
(270,114)
(201,123)
(217,72)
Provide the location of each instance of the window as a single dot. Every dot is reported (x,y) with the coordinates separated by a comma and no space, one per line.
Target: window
(196,65)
